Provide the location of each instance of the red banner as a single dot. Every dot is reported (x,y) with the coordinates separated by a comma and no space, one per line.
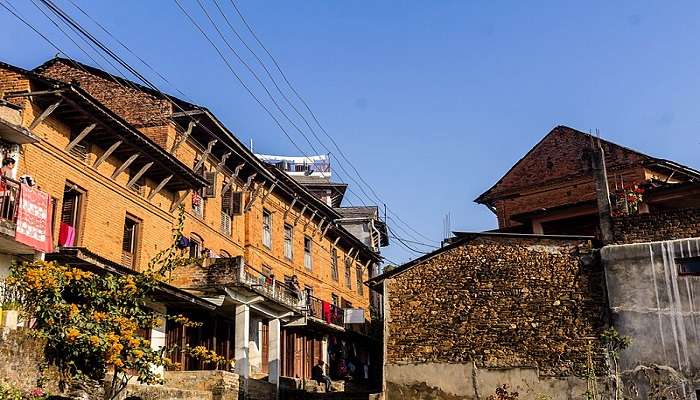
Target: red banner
(34,219)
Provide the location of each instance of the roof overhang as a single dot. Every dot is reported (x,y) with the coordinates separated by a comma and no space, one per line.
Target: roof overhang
(16,134)
(84,259)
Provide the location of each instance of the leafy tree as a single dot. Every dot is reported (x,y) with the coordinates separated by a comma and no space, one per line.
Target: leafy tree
(91,321)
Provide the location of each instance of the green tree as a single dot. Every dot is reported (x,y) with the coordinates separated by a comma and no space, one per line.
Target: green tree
(91,321)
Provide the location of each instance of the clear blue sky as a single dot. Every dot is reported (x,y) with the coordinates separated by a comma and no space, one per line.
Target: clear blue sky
(433,101)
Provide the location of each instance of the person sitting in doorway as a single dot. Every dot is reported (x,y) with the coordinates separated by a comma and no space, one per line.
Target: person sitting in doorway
(318,373)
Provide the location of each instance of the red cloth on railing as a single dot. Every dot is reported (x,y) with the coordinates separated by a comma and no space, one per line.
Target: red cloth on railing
(66,235)
(326,309)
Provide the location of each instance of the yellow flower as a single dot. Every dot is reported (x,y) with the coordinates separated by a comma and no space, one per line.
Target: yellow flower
(137,353)
(72,334)
(94,340)
(73,311)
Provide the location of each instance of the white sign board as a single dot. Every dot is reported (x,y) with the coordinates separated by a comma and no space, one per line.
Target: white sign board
(354,316)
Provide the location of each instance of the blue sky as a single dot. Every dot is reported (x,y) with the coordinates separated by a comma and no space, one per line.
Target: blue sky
(432,101)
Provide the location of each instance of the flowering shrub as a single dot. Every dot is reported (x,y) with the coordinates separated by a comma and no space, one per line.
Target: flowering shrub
(626,201)
(206,356)
(9,392)
(91,321)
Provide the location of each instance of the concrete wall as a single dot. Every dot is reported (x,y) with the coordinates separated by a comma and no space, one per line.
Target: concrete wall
(655,306)
(466,382)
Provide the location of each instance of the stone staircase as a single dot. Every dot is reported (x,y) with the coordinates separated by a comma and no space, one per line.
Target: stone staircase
(137,391)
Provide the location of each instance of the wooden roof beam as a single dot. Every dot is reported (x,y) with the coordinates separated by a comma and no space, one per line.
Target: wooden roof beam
(160,186)
(205,155)
(107,153)
(125,165)
(81,136)
(139,174)
(183,137)
(45,114)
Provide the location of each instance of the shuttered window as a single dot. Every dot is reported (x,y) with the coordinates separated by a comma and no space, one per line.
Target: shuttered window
(334,264)
(308,259)
(70,215)
(267,229)
(130,241)
(360,286)
(348,272)
(210,190)
(288,246)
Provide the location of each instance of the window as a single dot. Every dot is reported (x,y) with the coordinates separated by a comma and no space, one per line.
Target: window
(130,241)
(232,203)
(688,266)
(334,264)
(360,286)
(197,204)
(267,229)
(335,300)
(225,224)
(70,215)
(308,260)
(309,292)
(288,232)
(224,254)
(348,265)
(267,271)
(195,246)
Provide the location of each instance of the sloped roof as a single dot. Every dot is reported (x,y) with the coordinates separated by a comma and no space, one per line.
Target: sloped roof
(527,171)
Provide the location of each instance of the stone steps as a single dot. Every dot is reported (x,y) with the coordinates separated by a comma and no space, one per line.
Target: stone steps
(157,392)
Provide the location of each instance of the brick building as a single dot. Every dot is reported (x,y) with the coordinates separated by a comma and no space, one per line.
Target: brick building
(118,159)
(551,190)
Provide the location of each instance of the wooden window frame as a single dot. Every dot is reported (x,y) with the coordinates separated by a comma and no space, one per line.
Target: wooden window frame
(267,228)
(289,242)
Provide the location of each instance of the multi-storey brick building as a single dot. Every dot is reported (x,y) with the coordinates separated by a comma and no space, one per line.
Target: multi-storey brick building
(119,158)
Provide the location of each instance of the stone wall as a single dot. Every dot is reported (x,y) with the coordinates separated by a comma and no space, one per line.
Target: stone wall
(657,226)
(20,355)
(497,303)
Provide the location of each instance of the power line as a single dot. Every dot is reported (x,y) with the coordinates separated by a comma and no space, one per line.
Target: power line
(257,78)
(81,31)
(313,115)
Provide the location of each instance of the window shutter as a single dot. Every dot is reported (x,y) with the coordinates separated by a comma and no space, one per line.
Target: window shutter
(227,202)
(210,190)
(67,210)
(236,203)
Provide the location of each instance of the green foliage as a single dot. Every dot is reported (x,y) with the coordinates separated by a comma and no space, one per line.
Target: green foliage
(614,342)
(9,392)
(91,321)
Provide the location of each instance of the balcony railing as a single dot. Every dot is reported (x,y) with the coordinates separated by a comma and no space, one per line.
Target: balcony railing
(9,198)
(268,286)
(329,314)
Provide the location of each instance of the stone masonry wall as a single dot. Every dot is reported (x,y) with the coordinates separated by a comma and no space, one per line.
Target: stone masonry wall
(501,303)
(657,226)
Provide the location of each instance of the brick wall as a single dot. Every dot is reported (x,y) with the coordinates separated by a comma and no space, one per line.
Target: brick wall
(108,201)
(501,303)
(557,172)
(137,107)
(657,226)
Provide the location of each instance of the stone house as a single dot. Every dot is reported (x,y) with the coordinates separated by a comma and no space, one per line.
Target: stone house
(493,308)
(117,159)
(526,305)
